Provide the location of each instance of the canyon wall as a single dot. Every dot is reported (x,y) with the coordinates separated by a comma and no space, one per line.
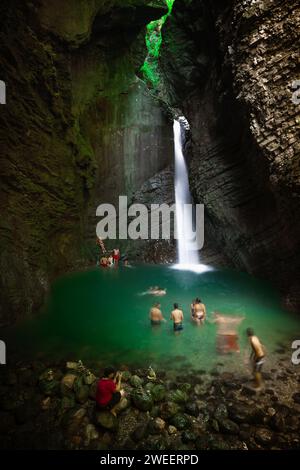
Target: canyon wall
(78,128)
(230,67)
(81,127)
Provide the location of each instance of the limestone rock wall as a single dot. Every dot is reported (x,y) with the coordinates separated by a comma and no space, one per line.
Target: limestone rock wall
(70,69)
(233,83)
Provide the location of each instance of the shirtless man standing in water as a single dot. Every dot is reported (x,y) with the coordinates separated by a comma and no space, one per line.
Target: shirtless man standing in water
(156,316)
(177,317)
(257,357)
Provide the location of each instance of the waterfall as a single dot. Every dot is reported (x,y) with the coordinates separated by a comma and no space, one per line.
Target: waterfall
(188,259)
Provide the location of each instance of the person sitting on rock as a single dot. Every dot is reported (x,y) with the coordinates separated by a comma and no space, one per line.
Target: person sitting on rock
(156,316)
(198,310)
(257,357)
(177,318)
(109,391)
(110,261)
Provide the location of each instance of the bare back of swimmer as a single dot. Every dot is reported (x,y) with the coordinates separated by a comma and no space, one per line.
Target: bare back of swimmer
(198,310)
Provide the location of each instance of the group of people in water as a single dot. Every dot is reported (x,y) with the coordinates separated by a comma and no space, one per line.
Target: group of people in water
(227,337)
(110,260)
(109,389)
(198,314)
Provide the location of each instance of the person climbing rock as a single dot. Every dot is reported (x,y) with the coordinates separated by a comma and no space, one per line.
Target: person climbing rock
(257,357)
(100,243)
(177,318)
(109,391)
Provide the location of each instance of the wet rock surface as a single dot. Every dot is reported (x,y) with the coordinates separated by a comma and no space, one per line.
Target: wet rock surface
(53,407)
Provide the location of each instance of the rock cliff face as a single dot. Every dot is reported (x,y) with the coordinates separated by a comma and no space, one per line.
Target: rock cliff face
(78,128)
(230,67)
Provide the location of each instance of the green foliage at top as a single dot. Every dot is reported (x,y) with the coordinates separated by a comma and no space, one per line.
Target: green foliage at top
(154,42)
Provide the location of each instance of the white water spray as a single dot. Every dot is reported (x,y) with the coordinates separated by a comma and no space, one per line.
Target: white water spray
(188,258)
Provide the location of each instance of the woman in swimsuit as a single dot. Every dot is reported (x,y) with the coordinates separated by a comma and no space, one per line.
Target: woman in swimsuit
(198,311)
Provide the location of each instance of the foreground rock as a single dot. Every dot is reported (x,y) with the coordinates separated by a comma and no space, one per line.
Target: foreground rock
(56,408)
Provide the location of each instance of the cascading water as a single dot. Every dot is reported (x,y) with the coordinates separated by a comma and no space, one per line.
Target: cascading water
(188,258)
(182,197)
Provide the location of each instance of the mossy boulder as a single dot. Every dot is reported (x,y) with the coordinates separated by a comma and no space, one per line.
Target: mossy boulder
(106,420)
(158,393)
(142,400)
(180,421)
(169,409)
(136,381)
(178,396)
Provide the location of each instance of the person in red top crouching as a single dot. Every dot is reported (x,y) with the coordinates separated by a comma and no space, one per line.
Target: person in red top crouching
(109,391)
(116,256)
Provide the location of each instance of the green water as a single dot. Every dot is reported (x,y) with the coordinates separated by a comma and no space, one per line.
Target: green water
(100,315)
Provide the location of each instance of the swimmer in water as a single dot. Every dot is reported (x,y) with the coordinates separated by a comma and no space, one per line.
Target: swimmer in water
(156,291)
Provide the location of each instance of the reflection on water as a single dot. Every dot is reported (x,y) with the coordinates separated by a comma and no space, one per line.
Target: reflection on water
(99,315)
